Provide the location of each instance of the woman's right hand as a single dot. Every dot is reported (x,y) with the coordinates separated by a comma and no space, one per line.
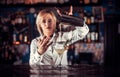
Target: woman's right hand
(43,44)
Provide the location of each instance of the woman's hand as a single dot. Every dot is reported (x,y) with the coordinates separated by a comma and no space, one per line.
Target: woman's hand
(43,44)
(71,10)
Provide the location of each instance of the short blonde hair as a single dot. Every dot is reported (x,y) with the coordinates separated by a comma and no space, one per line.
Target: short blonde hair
(40,16)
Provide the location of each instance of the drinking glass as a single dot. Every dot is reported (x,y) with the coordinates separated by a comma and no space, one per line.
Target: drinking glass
(60,48)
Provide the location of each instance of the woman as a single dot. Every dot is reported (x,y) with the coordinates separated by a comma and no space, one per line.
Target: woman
(42,49)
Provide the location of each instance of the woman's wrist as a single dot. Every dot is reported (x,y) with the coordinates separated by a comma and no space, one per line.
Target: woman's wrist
(39,51)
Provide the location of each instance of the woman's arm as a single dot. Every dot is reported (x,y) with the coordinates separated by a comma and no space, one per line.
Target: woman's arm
(78,33)
(35,57)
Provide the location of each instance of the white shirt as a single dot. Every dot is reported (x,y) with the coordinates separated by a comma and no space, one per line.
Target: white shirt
(51,57)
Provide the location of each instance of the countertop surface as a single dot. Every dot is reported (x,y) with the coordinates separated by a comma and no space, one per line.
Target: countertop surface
(83,70)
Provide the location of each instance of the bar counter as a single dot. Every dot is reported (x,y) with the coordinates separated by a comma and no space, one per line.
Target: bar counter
(83,70)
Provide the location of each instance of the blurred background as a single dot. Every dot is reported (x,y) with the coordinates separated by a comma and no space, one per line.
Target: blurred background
(100,46)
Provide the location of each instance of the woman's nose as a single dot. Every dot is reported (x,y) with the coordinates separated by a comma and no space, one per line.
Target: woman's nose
(46,24)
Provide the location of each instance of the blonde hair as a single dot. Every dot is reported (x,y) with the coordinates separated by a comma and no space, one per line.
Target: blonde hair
(40,16)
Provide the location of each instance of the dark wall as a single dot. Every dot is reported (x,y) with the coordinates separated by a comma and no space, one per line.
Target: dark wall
(112,40)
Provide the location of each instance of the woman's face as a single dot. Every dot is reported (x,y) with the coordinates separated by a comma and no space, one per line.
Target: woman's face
(48,25)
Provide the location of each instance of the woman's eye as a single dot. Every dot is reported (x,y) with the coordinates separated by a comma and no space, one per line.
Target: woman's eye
(43,21)
(49,20)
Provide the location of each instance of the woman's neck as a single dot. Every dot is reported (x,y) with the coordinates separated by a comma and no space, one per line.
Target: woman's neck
(49,35)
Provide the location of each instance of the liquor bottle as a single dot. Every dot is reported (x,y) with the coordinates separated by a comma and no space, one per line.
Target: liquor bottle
(93,36)
(25,37)
(81,1)
(85,16)
(21,37)
(94,1)
(86,1)
(51,1)
(6,55)
(92,19)
(96,36)
(85,39)
(88,21)
(14,37)
(88,38)
(70,61)
(61,1)
(8,2)
(66,0)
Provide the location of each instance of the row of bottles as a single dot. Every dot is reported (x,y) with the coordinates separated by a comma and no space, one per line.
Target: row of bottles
(12,54)
(85,53)
(91,37)
(20,28)
(92,17)
(15,28)
(93,24)
(7,56)
(88,1)
(31,1)
(21,38)
(89,19)
(21,25)
(49,1)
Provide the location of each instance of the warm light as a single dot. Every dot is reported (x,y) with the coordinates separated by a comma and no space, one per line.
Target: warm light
(28,42)
(17,42)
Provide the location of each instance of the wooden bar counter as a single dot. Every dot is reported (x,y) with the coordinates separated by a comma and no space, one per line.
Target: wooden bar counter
(83,70)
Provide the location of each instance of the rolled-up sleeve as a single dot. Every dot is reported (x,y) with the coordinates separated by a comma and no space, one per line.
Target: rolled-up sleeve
(78,34)
(35,58)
